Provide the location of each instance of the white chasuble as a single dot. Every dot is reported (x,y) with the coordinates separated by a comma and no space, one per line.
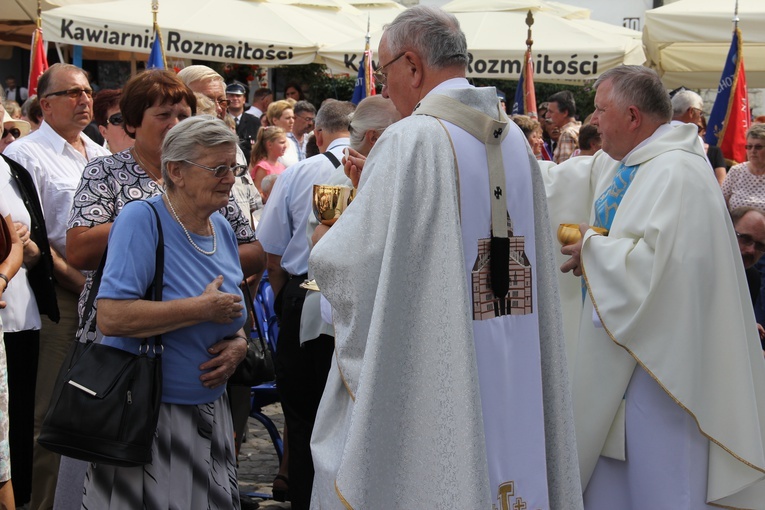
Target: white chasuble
(676,328)
(426,407)
(507,346)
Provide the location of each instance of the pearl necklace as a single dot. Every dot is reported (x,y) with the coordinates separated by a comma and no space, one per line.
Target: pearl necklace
(188,235)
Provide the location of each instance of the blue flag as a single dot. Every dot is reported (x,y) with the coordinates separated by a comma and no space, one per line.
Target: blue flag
(360,90)
(156,58)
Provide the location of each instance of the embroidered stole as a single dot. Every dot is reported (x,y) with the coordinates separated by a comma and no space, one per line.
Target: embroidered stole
(607,204)
(491,133)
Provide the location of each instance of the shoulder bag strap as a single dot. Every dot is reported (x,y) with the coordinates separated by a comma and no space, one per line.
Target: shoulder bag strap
(154,292)
(159,270)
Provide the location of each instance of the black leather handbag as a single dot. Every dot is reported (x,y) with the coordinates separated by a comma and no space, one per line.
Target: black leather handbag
(257,366)
(106,401)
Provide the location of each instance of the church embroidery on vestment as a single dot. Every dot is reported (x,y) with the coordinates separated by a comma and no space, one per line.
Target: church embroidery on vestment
(518,300)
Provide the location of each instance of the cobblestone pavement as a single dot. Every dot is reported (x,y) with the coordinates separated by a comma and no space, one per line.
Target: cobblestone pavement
(258,462)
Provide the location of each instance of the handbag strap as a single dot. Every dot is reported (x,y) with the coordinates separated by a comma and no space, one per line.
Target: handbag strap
(250,307)
(153,293)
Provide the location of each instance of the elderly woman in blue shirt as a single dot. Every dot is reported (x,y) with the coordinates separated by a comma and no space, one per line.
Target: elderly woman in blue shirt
(200,319)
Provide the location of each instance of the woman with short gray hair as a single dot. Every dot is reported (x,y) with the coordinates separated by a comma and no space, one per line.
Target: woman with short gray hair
(200,319)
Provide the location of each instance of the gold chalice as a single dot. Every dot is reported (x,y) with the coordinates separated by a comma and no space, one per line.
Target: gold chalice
(329,202)
(568,233)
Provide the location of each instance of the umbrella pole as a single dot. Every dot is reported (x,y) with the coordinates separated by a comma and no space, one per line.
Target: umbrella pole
(157,33)
(60,53)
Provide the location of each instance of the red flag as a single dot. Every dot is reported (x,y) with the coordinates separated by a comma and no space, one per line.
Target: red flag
(529,95)
(39,62)
(525,102)
(733,136)
(369,76)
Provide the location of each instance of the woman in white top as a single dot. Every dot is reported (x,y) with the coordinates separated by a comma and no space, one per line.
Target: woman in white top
(31,287)
(9,266)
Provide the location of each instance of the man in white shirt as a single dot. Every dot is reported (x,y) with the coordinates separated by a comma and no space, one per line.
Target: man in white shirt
(305,116)
(206,81)
(260,101)
(687,108)
(56,155)
(300,369)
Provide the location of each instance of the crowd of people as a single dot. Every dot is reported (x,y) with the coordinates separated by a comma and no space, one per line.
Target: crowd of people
(454,355)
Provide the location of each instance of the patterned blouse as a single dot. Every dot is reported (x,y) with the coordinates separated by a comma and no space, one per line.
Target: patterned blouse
(110,182)
(743,188)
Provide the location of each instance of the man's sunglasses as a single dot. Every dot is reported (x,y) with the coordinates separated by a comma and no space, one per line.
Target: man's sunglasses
(73,93)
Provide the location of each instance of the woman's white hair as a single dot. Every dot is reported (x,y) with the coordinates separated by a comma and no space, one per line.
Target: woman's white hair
(374,113)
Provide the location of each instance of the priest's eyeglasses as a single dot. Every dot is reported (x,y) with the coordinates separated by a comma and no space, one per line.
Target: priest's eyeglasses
(221,171)
(73,93)
(747,240)
(756,147)
(381,77)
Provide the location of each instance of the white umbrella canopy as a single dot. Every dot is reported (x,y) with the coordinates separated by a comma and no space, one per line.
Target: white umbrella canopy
(17,19)
(555,8)
(381,11)
(26,10)
(564,51)
(687,42)
(232,31)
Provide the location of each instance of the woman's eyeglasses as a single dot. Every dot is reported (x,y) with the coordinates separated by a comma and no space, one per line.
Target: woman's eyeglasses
(14,132)
(221,171)
(115,120)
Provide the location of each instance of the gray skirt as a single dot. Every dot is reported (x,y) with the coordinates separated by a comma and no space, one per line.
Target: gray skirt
(193,465)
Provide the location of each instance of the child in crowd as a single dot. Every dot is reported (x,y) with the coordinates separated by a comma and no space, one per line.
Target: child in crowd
(268,148)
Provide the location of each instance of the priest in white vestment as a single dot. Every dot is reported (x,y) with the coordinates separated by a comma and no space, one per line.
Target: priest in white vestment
(668,375)
(449,387)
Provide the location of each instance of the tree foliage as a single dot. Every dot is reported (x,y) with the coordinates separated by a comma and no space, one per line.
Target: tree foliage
(583,95)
